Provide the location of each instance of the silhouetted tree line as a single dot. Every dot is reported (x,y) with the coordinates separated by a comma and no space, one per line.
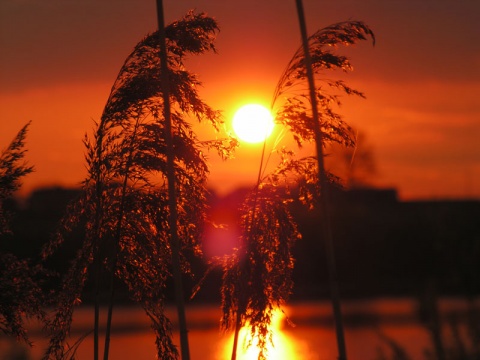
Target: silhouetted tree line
(384,246)
(387,247)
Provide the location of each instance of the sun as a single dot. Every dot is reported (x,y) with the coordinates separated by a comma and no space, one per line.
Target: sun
(253,123)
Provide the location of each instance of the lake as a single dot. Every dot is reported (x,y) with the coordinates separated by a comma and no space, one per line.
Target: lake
(369,326)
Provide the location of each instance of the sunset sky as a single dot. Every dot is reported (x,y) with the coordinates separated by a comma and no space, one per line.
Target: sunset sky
(59,59)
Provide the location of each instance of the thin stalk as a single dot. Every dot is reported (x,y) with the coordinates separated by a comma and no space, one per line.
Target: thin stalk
(241,301)
(98,217)
(97,302)
(118,232)
(109,318)
(172,199)
(324,198)
(96,232)
(238,322)
(434,324)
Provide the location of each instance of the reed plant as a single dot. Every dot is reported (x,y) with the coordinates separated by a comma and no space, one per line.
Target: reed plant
(20,282)
(257,278)
(12,169)
(124,207)
(253,285)
(312,117)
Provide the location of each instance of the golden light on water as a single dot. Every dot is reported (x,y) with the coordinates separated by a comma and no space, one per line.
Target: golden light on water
(283,348)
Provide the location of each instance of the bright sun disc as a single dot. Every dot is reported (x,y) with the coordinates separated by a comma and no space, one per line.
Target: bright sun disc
(253,123)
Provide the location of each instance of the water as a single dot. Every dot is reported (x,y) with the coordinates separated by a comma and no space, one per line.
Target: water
(369,325)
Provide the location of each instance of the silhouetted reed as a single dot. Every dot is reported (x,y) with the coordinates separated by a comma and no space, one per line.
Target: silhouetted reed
(124,205)
(307,111)
(20,282)
(312,118)
(257,279)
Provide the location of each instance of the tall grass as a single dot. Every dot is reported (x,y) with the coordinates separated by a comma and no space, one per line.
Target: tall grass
(255,281)
(20,282)
(125,203)
(320,123)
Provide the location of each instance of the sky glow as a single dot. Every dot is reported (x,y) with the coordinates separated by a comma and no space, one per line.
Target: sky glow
(421,113)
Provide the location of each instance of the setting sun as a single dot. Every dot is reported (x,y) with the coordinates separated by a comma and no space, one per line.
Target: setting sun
(253,123)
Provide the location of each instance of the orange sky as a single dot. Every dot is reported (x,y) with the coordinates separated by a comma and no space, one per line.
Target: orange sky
(58,60)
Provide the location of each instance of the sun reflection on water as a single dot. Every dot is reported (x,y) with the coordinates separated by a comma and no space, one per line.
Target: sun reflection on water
(283,348)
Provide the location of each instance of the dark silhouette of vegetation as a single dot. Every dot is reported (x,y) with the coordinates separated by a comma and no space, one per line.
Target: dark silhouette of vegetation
(12,169)
(125,199)
(143,205)
(312,117)
(242,288)
(20,282)
(257,278)
(172,196)
(324,124)
(395,240)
